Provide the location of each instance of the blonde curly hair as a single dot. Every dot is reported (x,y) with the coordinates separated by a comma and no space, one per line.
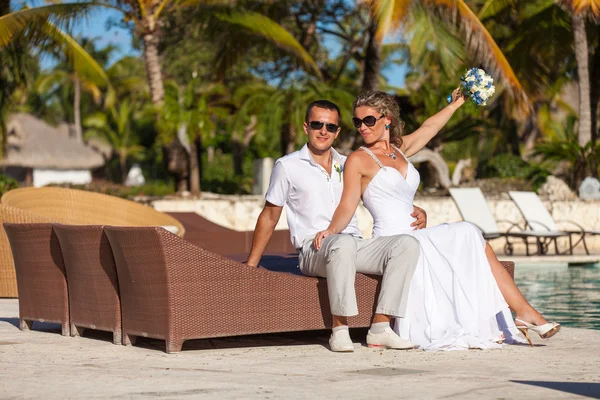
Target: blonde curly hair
(386,105)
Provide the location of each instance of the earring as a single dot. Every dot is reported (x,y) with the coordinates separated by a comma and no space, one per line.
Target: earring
(387,127)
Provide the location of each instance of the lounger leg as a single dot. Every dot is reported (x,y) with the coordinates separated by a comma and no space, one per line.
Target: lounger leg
(584,245)
(25,325)
(526,247)
(75,331)
(174,346)
(556,245)
(129,340)
(65,329)
(571,245)
(117,337)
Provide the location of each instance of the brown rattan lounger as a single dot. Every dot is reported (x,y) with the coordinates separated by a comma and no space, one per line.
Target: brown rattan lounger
(92,278)
(175,291)
(221,240)
(40,271)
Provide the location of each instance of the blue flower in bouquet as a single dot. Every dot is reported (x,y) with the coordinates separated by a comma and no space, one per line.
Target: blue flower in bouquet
(477,85)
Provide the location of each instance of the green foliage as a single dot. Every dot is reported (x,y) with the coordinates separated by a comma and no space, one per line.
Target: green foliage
(564,146)
(218,176)
(511,166)
(150,189)
(7,183)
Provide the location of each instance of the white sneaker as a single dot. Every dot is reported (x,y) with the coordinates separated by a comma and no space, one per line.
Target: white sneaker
(340,341)
(388,340)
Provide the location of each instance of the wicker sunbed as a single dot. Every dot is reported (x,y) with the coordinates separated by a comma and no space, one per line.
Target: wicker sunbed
(221,240)
(40,271)
(80,207)
(175,291)
(69,206)
(92,279)
(8,277)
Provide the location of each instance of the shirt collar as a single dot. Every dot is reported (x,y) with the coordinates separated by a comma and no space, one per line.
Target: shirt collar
(305,155)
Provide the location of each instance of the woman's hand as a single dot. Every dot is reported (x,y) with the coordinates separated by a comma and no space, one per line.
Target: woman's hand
(458,98)
(420,218)
(318,240)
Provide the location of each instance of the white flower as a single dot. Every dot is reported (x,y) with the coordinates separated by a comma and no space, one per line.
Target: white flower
(481,72)
(474,88)
(339,169)
(470,78)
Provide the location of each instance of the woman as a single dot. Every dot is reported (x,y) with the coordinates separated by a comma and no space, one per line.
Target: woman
(459,285)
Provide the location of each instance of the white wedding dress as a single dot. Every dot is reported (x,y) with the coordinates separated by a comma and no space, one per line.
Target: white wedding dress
(454,302)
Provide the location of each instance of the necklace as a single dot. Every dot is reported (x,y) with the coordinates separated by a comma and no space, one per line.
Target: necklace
(392,154)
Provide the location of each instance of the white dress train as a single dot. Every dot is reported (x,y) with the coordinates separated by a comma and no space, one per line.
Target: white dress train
(454,301)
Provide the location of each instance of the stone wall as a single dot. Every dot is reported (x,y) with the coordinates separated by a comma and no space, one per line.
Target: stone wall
(241,212)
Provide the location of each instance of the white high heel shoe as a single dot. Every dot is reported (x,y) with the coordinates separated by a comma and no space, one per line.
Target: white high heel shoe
(545,331)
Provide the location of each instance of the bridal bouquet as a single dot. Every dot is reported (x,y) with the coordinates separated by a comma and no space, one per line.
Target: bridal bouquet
(476,85)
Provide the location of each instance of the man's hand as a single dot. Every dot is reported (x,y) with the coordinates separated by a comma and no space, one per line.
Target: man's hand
(421,218)
(262,233)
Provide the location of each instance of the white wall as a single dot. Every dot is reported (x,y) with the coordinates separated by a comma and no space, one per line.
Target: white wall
(43,177)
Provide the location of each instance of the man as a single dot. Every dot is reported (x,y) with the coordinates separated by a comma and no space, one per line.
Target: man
(310,183)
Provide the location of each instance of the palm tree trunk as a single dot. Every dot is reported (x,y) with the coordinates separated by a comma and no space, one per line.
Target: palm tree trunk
(123,166)
(153,69)
(581,54)
(77,110)
(240,144)
(291,142)
(372,67)
(595,95)
(194,169)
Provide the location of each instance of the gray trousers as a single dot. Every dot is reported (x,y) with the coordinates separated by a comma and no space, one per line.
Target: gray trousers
(341,256)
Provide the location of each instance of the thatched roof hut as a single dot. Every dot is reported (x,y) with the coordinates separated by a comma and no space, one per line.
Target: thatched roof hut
(32,143)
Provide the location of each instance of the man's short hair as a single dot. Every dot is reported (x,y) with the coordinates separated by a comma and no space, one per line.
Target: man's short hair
(326,104)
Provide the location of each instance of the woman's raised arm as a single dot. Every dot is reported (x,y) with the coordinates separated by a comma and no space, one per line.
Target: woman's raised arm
(411,144)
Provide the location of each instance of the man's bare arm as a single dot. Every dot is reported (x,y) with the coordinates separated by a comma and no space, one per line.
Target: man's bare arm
(267,220)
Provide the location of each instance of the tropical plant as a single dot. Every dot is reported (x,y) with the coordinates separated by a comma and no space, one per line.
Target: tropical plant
(392,14)
(580,11)
(191,114)
(117,127)
(564,146)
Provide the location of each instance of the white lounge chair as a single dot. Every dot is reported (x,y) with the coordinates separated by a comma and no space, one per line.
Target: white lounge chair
(474,208)
(539,220)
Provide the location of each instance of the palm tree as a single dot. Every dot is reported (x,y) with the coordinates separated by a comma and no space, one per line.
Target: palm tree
(581,10)
(191,114)
(40,25)
(63,75)
(391,15)
(117,128)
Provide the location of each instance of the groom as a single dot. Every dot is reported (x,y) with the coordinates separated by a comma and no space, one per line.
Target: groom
(310,183)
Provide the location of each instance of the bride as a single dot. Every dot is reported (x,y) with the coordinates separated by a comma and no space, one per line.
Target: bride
(460,293)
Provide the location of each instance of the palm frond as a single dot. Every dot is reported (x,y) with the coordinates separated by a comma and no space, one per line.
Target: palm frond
(589,8)
(486,51)
(83,63)
(270,30)
(29,20)
(493,7)
(390,14)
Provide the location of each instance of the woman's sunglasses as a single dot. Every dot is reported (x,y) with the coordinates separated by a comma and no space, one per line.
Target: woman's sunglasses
(369,121)
(318,125)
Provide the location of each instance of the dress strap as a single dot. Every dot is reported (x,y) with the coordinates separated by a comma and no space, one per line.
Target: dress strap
(400,151)
(373,156)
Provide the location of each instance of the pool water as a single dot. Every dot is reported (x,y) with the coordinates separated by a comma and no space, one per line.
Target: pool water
(569,295)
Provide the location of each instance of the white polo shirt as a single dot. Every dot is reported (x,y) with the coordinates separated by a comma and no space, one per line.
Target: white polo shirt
(310,195)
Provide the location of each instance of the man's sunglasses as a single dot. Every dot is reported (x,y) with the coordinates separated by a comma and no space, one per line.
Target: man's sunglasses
(318,125)
(369,121)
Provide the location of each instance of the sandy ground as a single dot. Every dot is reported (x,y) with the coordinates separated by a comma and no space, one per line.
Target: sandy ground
(44,364)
